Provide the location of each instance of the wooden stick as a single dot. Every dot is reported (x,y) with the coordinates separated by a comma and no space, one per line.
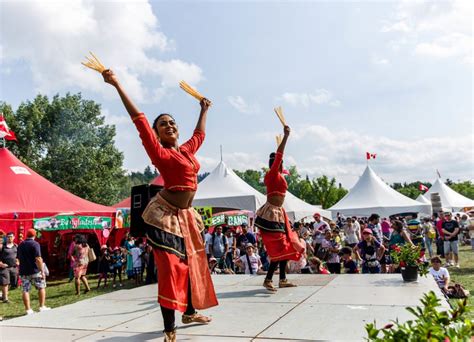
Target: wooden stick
(279,138)
(279,113)
(190,90)
(94,63)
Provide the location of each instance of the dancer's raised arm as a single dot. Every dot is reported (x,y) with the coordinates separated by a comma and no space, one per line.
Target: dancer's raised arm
(201,124)
(111,78)
(286,134)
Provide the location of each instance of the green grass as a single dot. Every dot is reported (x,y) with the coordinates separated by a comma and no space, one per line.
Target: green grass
(59,292)
(465,276)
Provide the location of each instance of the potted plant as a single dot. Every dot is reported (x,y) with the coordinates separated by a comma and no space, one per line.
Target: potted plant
(410,258)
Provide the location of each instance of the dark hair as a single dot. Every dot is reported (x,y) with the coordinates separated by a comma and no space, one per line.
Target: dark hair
(374,217)
(346,250)
(272,159)
(81,240)
(436,259)
(397,225)
(155,122)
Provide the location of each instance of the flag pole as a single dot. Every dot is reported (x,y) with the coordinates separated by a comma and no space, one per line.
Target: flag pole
(221,153)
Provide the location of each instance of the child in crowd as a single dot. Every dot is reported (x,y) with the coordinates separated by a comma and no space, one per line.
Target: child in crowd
(369,251)
(104,265)
(316,266)
(250,262)
(117,264)
(136,253)
(331,243)
(350,266)
(440,274)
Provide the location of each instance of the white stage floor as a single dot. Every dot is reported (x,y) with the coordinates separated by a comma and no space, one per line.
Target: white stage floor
(322,307)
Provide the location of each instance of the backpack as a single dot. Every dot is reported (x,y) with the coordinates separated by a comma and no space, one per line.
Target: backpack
(322,254)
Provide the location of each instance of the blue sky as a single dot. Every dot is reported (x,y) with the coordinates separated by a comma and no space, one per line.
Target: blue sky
(392,78)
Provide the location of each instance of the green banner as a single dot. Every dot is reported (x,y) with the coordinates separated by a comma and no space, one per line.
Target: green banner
(63,222)
(206,214)
(218,220)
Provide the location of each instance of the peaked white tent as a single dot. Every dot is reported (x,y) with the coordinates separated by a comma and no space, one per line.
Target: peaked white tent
(422,199)
(449,198)
(298,209)
(370,195)
(223,188)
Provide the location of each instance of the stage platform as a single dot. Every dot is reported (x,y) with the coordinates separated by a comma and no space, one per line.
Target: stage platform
(322,307)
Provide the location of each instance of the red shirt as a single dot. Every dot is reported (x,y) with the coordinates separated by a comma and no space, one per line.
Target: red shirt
(178,168)
(274,180)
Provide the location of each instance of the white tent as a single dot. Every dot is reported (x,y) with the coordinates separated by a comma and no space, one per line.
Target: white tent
(224,189)
(298,209)
(422,199)
(450,199)
(370,195)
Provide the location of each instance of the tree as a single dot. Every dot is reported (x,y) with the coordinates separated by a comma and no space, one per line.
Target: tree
(67,141)
(464,188)
(254,178)
(326,192)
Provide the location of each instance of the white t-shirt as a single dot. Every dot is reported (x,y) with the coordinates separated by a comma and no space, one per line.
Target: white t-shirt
(207,241)
(136,252)
(254,261)
(351,233)
(318,231)
(440,276)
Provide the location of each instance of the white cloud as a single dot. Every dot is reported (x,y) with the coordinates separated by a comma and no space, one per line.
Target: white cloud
(319,97)
(53,37)
(380,61)
(242,106)
(441,29)
(111,119)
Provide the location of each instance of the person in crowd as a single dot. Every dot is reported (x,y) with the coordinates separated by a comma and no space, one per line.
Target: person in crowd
(332,245)
(245,238)
(464,229)
(136,253)
(351,232)
(250,261)
(81,261)
(415,230)
(471,229)
(8,266)
(386,229)
(103,265)
(438,219)
(70,251)
(150,265)
(440,274)
(129,244)
(219,246)
(232,246)
(281,242)
(399,235)
(262,252)
(374,225)
(117,264)
(450,230)
(350,266)
(316,266)
(369,251)
(429,233)
(319,227)
(31,271)
(295,266)
(175,228)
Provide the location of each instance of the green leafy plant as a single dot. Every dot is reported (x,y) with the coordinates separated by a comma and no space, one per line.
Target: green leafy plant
(409,255)
(431,324)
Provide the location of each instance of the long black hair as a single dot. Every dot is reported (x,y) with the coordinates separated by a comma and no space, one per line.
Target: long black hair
(155,122)
(271,160)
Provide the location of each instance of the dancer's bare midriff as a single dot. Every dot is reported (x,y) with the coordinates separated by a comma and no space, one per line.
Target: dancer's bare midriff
(180,199)
(276,200)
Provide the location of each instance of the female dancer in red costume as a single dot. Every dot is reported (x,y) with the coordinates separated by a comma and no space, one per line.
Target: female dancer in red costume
(281,242)
(184,281)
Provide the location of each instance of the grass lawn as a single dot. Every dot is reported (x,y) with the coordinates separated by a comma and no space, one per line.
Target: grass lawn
(465,275)
(59,292)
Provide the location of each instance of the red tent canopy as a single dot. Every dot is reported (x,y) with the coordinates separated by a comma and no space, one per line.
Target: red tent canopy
(25,195)
(126,202)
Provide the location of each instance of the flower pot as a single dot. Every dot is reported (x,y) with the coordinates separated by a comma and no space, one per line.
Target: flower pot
(409,273)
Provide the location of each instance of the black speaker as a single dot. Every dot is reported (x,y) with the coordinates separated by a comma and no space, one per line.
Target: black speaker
(141,195)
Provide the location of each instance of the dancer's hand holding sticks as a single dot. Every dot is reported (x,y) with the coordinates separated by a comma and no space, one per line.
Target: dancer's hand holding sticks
(191,91)
(281,117)
(94,63)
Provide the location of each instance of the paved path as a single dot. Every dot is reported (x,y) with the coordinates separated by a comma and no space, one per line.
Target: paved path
(322,308)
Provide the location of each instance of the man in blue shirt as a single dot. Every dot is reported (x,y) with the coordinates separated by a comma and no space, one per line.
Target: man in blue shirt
(32,271)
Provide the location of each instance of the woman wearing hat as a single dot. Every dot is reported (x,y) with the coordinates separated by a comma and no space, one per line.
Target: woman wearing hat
(184,280)
(281,242)
(370,251)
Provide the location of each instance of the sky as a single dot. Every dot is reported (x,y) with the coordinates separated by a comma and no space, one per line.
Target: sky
(390,78)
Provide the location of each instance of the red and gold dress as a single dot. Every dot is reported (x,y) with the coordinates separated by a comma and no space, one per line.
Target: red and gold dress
(176,235)
(280,241)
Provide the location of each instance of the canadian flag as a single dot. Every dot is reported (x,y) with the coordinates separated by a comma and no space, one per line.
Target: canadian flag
(369,155)
(5,132)
(422,187)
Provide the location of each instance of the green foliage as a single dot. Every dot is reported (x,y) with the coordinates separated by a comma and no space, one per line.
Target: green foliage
(464,188)
(136,178)
(326,192)
(253,178)
(67,141)
(412,189)
(431,324)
